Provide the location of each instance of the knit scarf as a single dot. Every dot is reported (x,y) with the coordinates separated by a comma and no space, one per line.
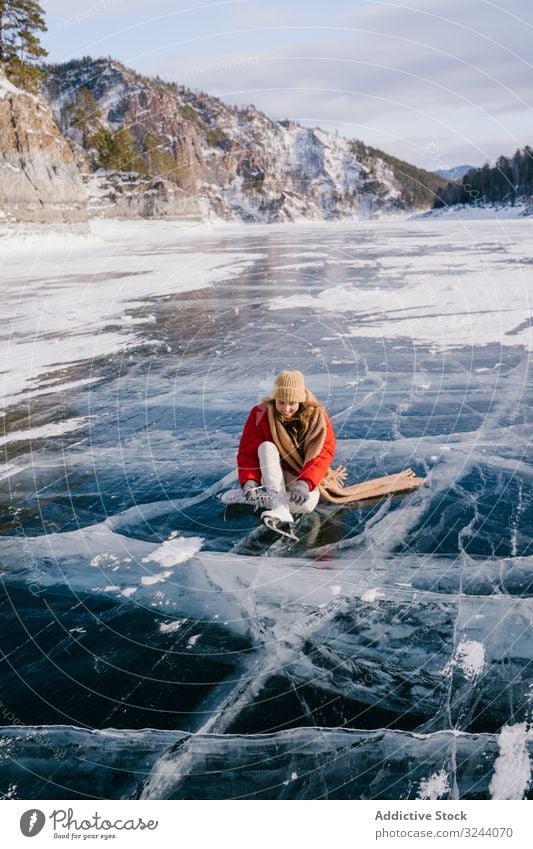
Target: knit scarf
(332,487)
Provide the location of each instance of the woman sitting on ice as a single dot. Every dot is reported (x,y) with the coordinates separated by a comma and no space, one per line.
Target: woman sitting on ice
(287,446)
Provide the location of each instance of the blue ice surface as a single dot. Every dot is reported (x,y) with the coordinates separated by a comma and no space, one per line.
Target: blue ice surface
(388,645)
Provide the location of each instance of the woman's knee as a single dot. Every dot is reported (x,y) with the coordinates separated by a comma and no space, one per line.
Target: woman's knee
(268,448)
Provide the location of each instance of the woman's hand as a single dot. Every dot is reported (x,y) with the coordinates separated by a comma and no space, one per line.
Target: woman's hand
(299,493)
(250,491)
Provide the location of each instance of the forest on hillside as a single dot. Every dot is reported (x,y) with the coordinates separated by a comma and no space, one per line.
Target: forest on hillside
(506,182)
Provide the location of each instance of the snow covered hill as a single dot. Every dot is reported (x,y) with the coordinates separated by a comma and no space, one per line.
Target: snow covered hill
(204,159)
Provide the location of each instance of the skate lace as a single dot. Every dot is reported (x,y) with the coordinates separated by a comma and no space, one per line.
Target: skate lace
(263,498)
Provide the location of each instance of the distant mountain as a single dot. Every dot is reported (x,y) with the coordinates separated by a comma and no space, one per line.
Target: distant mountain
(453,173)
(153,148)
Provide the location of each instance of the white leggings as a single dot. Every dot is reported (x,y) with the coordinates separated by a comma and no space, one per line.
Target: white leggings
(272,475)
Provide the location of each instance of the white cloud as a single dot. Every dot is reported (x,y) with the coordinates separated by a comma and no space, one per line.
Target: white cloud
(452,72)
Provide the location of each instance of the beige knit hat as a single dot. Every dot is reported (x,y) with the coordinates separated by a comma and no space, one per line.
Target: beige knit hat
(289,386)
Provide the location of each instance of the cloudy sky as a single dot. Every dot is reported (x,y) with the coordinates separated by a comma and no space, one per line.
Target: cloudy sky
(436,82)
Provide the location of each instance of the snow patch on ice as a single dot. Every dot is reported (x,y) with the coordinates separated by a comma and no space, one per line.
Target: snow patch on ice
(148,580)
(11,792)
(469,657)
(174,551)
(171,627)
(46,431)
(447,302)
(105,559)
(294,776)
(512,768)
(434,787)
(371,595)
(10,469)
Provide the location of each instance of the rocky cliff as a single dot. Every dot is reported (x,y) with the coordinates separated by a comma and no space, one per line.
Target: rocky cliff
(198,157)
(39,179)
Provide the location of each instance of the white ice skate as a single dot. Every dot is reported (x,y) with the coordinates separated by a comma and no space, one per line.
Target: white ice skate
(279,518)
(236,496)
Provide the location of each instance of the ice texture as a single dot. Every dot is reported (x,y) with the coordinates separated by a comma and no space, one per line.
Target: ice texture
(305,763)
(169,638)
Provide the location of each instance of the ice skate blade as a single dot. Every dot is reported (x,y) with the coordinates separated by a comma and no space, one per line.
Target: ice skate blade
(275,525)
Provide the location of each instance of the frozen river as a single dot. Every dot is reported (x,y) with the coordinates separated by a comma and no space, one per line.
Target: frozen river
(154,645)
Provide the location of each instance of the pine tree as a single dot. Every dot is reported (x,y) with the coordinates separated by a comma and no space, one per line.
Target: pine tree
(503,182)
(116,149)
(20,21)
(527,167)
(486,182)
(161,162)
(152,154)
(84,115)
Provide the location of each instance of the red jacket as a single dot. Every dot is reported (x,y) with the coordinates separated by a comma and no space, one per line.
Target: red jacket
(257,430)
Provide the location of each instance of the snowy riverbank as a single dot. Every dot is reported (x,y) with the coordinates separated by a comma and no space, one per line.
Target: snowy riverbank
(463,212)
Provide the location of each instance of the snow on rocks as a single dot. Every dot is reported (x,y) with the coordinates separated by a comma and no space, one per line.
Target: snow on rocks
(240,164)
(40,180)
(7,88)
